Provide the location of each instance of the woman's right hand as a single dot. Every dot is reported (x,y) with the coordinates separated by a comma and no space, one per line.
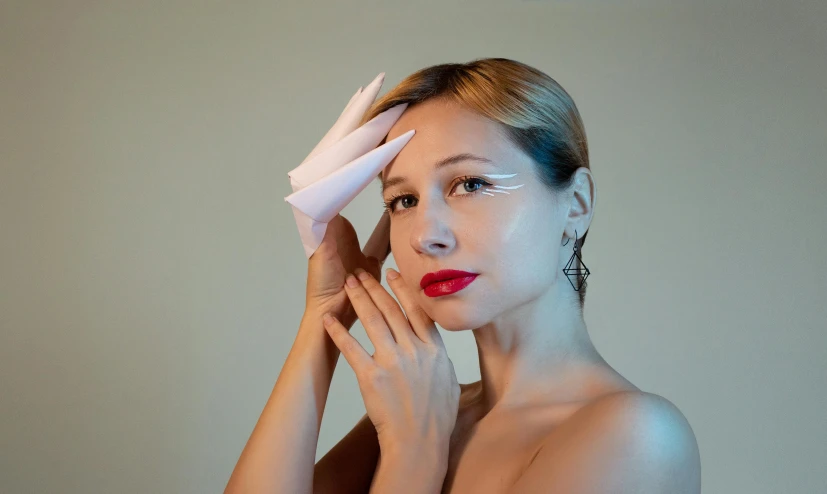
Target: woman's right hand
(338,255)
(356,150)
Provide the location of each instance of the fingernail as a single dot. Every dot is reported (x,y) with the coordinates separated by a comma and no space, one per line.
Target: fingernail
(391,274)
(328,319)
(351,281)
(362,274)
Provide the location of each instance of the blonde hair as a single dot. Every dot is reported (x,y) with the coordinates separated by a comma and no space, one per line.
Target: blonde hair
(534,111)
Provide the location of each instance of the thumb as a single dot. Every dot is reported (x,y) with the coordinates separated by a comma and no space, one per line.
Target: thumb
(328,248)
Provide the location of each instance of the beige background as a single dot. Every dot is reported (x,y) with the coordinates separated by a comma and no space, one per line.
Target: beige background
(152,280)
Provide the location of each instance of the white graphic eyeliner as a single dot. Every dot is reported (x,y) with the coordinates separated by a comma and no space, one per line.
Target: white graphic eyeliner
(498,188)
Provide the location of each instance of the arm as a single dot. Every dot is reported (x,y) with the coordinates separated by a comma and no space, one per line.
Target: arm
(350,465)
(625,442)
(416,469)
(279,456)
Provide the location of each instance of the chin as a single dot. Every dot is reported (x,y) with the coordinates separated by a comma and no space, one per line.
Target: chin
(455,329)
(456,322)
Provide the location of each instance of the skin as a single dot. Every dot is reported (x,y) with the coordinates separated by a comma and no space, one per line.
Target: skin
(533,344)
(548,415)
(538,364)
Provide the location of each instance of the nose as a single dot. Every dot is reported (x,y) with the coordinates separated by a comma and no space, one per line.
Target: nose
(431,233)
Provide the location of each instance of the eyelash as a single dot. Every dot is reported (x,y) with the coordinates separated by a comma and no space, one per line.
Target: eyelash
(391,202)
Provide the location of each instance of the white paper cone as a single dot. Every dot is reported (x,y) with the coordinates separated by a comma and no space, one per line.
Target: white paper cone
(341,165)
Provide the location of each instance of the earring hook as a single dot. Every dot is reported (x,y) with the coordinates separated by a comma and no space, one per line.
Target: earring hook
(575,240)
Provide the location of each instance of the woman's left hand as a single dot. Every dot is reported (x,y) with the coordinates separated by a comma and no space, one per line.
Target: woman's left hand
(409,386)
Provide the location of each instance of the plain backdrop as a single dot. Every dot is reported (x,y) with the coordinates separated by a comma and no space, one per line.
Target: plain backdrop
(152,278)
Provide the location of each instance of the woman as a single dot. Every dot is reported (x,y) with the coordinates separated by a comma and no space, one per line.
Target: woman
(495,183)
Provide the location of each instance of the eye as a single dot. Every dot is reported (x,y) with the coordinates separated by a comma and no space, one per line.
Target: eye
(474,181)
(390,203)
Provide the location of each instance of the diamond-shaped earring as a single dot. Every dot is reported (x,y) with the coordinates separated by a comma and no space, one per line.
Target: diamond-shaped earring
(570,271)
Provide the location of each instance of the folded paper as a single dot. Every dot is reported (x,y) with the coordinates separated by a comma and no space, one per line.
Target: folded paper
(341,165)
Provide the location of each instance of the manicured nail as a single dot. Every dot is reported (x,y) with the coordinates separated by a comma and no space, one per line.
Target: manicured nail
(352,281)
(391,274)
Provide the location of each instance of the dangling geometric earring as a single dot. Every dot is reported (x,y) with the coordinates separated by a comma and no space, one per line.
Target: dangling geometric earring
(570,271)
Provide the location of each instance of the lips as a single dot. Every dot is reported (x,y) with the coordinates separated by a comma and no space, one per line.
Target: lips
(448,287)
(442,275)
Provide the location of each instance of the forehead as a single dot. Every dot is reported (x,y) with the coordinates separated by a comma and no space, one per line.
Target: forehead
(443,128)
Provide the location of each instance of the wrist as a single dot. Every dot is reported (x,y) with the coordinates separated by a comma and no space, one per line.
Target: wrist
(427,455)
(400,465)
(314,313)
(313,337)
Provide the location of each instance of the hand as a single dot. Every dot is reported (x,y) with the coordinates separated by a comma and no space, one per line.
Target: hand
(409,385)
(321,190)
(338,254)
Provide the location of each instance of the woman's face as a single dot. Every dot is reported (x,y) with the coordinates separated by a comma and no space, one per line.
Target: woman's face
(508,228)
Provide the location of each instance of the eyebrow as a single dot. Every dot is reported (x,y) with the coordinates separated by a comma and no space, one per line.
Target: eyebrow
(450,160)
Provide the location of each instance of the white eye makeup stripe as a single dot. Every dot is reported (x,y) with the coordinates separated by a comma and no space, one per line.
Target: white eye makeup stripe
(497,188)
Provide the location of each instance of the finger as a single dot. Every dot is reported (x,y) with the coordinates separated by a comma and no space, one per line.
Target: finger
(371,317)
(390,309)
(420,321)
(355,354)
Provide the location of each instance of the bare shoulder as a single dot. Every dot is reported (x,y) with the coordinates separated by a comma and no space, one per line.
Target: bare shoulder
(641,416)
(630,437)
(632,401)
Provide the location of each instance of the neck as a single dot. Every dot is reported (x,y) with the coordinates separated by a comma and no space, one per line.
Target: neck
(539,352)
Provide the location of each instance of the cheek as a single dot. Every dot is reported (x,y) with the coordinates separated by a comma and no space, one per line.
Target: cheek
(510,228)
(522,243)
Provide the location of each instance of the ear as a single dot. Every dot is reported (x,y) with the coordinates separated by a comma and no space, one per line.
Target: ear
(581,205)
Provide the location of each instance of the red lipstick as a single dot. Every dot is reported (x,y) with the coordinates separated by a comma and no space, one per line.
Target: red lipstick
(446,282)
